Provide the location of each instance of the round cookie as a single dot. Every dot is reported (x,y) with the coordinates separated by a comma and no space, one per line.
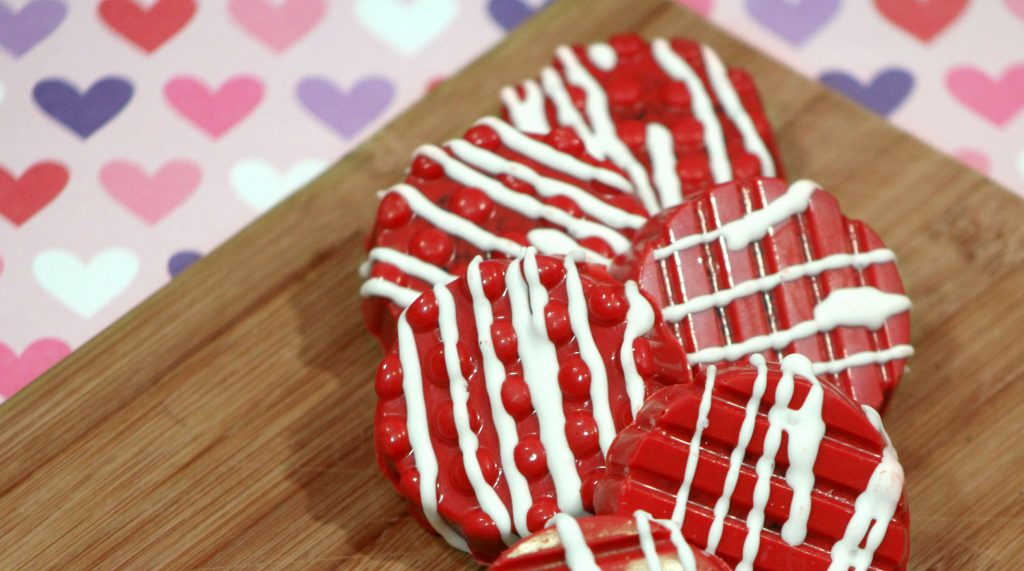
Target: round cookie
(667,112)
(505,389)
(608,542)
(491,193)
(767,468)
(765,267)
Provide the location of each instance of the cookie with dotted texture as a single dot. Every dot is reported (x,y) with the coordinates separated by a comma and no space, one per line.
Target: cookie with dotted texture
(608,542)
(491,193)
(668,112)
(766,467)
(769,268)
(506,388)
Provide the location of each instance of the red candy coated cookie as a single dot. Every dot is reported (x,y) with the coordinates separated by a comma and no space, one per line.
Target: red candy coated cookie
(505,389)
(608,542)
(767,468)
(762,267)
(667,112)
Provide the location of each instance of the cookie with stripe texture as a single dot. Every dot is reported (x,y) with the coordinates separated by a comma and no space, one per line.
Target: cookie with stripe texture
(608,542)
(766,467)
(762,267)
(492,193)
(667,112)
(505,389)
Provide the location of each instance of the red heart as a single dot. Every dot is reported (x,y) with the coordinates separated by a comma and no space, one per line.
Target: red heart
(22,197)
(923,19)
(150,27)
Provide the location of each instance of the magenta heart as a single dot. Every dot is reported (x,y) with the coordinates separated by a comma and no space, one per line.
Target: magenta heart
(151,198)
(796,21)
(997,100)
(346,112)
(215,112)
(279,25)
(17,371)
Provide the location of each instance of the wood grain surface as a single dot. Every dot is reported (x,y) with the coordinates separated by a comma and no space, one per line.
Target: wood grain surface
(226,422)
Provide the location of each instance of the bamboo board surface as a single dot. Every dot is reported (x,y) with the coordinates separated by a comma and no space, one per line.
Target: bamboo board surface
(226,422)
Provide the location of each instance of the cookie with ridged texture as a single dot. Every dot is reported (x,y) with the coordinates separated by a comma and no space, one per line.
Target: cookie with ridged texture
(491,193)
(668,112)
(505,389)
(770,268)
(608,542)
(767,468)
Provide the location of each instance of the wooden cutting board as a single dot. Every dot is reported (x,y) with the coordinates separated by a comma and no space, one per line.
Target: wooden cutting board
(226,422)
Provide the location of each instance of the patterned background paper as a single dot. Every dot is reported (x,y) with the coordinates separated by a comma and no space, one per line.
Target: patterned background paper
(138,135)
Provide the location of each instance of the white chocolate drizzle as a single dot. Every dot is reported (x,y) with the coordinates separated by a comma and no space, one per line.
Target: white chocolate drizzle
(578,556)
(379,287)
(864,306)
(864,358)
(527,112)
(567,114)
(693,456)
(661,149)
(556,243)
(873,509)
(408,264)
(602,56)
(639,320)
(649,548)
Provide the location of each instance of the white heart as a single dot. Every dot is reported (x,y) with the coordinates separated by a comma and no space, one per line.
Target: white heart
(86,288)
(409,25)
(261,186)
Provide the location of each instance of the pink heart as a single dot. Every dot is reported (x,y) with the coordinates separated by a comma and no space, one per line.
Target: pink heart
(973,158)
(151,198)
(18,371)
(997,100)
(278,25)
(1016,6)
(214,111)
(702,7)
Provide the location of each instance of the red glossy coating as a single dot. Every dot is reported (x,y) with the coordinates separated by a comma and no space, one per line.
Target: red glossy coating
(659,360)
(398,227)
(614,542)
(647,461)
(820,231)
(640,92)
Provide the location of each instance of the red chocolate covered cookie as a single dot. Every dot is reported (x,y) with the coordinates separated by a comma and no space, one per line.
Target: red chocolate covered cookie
(667,112)
(759,267)
(766,467)
(608,542)
(505,389)
(492,193)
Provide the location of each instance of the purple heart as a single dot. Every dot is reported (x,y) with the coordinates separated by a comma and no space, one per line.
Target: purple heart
(20,31)
(510,13)
(794,21)
(883,95)
(181,261)
(83,113)
(346,112)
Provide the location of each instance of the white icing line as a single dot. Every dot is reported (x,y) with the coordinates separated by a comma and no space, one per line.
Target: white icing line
(380,287)
(683,549)
(522,203)
(488,499)
(547,187)
(683,496)
(408,264)
(580,321)
(639,320)
(419,433)
(557,243)
(864,358)
(738,453)
(567,114)
(753,226)
(603,126)
(875,505)
(578,556)
(454,224)
(849,307)
(528,299)
(700,104)
(602,56)
(734,108)
(646,537)
(661,148)
(527,111)
(553,158)
(494,377)
(805,429)
(724,297)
